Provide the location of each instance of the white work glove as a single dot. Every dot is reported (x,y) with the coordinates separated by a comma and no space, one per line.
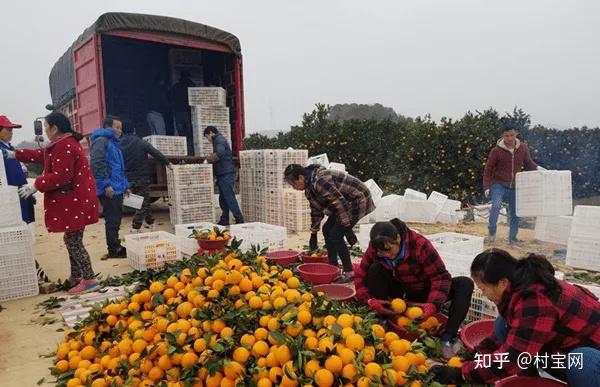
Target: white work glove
(8,154)
(540,168)
(487,193)
(26,191)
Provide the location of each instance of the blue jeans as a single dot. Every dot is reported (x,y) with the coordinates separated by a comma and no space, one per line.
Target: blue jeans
(499,194)
(588,375)
(227,200)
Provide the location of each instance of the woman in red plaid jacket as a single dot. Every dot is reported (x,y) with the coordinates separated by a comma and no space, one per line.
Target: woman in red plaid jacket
(399,262)
(543,323)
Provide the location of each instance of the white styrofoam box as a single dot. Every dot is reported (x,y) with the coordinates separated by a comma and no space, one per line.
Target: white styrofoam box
(151,250)
(266,235)
(594,289)
(364,236)
(10,207)
(187,245)
(583,253)
(454,242)
(18,275)
(554,229)
(544,193)
(192,213)
(189,174)
(451,206)
(439,199)
(376,192)
(481,307)
(169,145)
(449,217)
(559,275)
(457,264)
(411,194)
(586,221)
(207,96)
(388,208)
(3,180)
(418,211)
(321,159)
(337,166)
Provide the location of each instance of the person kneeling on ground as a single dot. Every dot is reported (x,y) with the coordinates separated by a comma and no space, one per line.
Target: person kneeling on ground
(342,197)
(400,263)
(539,316)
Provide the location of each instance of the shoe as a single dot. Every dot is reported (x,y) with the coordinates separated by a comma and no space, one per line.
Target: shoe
(85,286)
(239,221)
(134,230)
(448,350)
(514,241)
(223,223)
(149,226)
(347,276)
(120,253)
(490,239)
(71,282)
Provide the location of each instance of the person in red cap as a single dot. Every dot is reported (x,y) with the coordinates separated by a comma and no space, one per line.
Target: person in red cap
(15,175)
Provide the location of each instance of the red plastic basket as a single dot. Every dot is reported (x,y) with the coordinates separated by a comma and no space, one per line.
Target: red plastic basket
(283,257)
(206,244)
(529,381)
(337,292)
(473,333)
(318,273)
(404,334)
(306,258)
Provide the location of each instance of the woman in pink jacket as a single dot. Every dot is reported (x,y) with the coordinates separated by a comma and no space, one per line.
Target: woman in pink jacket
(70,201)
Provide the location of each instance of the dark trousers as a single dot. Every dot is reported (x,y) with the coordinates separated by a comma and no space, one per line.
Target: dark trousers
(227,200)
(81,265)
(183,121)
(334,232)
(141,186)
(112,208)
(382,285)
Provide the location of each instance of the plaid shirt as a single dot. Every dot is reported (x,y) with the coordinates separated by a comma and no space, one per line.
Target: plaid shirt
(541,322)
(332,192)
(421,272)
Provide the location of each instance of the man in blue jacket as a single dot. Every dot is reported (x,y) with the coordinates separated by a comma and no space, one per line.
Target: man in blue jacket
(108,168)
(224,172)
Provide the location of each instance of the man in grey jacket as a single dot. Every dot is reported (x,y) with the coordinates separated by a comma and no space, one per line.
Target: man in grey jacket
(139,171)
(224,172)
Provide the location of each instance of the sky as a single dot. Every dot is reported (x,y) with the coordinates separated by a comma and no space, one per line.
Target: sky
(441,58)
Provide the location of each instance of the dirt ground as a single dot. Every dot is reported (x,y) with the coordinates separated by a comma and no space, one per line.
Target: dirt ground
(24,341)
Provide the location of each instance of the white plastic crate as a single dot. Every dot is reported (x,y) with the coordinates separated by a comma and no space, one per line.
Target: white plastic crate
(191,195)
(554,229)
(583,253)
(18,276)
(266,235)
(207,96)
(18,286)
(457,264)
(388,208)
(180,214)
(189,174)
(296,211)
(418,211)
(376,192)
(3,180)
(210,115)
(151,250)
(321,159)
(411,194)
(10,207)
(337,166)
(544,193)
(364,236)
(169,145)
(457,243)
(203,147)
(481,307)
(439,199)
(187,245)
(586,222)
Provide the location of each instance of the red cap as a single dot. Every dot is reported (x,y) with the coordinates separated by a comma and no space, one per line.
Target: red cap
(6,123)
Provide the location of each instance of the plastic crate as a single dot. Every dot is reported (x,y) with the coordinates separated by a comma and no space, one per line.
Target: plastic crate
(554,229)
(3,179)
(481,307)
(181,214)
(191,195)
(169,145)
(187,245)
(364,237)
(544,193)
(18,286)
(151,250)
(439,199)
(210,115)
(266,235)
(18,275)
(337,166)
(10,207)
(457,264)
(586,222)
(321,159)
(190,174)
(203,147)
(376,192)
(418,211)
(583,253)
(411,194)
(207,96)
(454,242)
(388,208)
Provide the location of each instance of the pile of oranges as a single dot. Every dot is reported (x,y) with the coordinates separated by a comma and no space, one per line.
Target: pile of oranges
(409,318)
(235,321)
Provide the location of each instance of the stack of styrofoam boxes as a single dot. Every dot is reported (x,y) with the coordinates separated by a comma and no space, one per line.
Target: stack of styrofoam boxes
(337,167)
(544,193)
(450,212)
(151,250)
(364,236)
(18,276)
(376,195)
(190,193)
(439,199)
(260,234)
(186,242)
(554,229)
(583,247)
(208,109)
(296,216)
(416,208)
(321,159)
(457,252)
(170,146)
(388,208)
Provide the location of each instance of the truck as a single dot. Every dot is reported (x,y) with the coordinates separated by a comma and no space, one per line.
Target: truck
(108,68)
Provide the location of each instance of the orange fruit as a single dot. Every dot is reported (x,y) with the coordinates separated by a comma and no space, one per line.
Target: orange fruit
(355,342)
(414,312)
(455,362)
(398,305)
(188,360)
(334,364)
(324,378)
